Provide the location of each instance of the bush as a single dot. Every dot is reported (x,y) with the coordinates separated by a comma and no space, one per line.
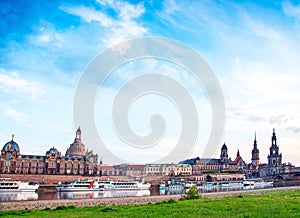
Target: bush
(107,209)
(65,207)
(191,194)
(171,201)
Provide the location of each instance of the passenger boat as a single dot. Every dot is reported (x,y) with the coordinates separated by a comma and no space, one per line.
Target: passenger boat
(87,185)
(96,185)
(248,183)
(124,185)
(8,185)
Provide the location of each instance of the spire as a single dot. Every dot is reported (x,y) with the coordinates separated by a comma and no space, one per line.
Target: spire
(255,141)
(238,153)
(12,137)
(78,134)
(274,139)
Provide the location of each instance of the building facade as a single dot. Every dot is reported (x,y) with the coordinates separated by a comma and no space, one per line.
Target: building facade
(168,169)
(215,165)
(77,161)
(130,170)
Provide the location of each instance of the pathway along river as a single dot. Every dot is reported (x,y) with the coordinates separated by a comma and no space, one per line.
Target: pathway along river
(30,196)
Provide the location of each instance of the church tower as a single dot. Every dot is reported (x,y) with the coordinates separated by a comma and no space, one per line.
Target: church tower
(224,158)
(255,154)
(274,158)
(224,154)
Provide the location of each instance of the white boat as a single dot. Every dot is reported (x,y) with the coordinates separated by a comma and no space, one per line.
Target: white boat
(248,183)
(94,185)
(86,185)
(124,185)
(8,185)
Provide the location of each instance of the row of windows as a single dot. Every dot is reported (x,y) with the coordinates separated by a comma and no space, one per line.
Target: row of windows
(42,164)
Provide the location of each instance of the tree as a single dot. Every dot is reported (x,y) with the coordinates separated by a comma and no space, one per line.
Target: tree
(191,194)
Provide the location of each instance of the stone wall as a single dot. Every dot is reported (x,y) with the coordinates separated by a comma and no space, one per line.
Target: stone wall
(52,204)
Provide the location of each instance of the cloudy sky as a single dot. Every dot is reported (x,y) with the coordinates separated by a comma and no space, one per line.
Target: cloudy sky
(253,49)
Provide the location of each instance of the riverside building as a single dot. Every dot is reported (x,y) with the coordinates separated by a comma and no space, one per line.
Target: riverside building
(77,160)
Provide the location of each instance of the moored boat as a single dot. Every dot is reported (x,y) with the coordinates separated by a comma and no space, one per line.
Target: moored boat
(97,185)
(8,185)
(248,183)
(125,185)
(87,185)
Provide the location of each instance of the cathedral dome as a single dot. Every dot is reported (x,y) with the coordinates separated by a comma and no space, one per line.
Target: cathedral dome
(11,146)
(77,148)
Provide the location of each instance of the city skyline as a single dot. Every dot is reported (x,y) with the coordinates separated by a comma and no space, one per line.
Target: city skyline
(261,159)
(251,47)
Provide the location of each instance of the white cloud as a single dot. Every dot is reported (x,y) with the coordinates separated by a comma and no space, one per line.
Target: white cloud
(121,28)
(12,83)
(291,10)
(17,116)
(90,14)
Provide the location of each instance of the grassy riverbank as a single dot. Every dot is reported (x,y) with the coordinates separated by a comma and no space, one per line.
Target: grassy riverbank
(278,204)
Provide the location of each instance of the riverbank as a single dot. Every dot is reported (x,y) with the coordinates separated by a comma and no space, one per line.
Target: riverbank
(272,203)
(52,204)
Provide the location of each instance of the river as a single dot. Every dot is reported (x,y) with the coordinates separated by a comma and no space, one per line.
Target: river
(29,196)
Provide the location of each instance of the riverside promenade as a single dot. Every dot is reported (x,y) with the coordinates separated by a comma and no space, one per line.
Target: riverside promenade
(52,204)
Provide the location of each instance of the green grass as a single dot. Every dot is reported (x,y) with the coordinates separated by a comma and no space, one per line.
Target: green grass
(279,204)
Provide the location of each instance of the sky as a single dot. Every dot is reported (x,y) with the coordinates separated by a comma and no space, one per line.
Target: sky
(252,48)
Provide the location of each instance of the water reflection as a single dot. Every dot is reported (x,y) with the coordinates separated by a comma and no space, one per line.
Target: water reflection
(18,196)
(104,194)
(27,196)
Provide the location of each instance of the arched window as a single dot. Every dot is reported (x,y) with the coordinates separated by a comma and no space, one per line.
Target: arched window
(8,155)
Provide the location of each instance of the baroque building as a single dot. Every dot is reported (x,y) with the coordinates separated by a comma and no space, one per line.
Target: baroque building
(168,169)
(215,165)
(77,161)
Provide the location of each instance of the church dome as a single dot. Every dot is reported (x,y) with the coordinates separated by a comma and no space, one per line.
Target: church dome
(11,146)
(52,151)
(77,148)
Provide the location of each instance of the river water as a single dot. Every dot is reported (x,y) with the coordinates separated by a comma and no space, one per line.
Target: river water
(30,196)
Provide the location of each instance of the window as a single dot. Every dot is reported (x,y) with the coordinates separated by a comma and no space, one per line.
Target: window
(42,164)
(7,163)
(8,155)
(26,164)
(33,164)
(52,164)
(19,163)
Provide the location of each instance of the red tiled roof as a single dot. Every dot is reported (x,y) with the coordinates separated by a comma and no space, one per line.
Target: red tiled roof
(237,159)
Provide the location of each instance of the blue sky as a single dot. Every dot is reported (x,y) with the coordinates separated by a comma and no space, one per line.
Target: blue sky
(253,48)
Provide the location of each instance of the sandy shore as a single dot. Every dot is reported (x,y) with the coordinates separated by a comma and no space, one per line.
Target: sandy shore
(52,204)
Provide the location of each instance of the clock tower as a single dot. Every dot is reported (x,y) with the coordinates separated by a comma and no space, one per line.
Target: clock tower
(274,158)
